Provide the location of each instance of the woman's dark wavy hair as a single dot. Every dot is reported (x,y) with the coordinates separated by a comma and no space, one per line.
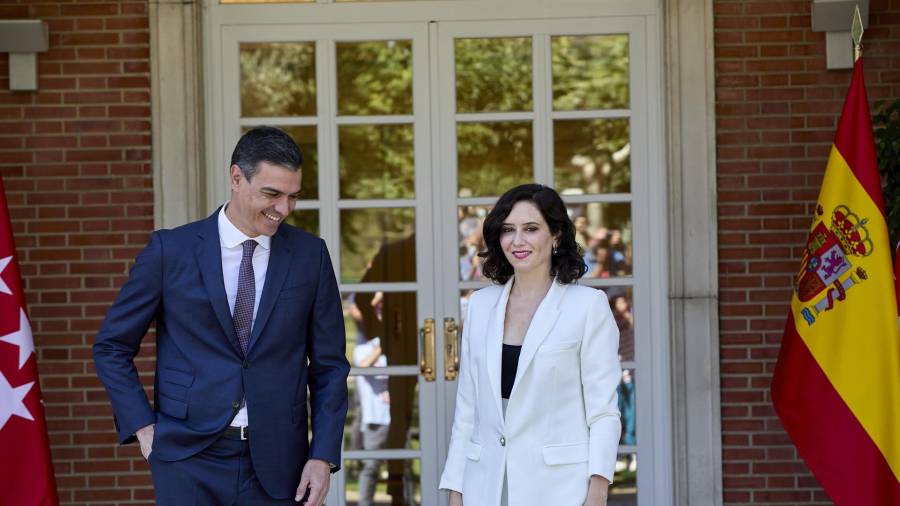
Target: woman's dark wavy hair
(567,264)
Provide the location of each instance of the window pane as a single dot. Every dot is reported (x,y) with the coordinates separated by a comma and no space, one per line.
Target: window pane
(383,413)
(378,245)
(267,1)
(374,77)
(626,391)
(381,328)
(376,161)
(493,75)
(493,157)
(621,303)
(590,72)
(278,79)
(306,219)
(592,156)
(623,491)
(604,231)
(395,482)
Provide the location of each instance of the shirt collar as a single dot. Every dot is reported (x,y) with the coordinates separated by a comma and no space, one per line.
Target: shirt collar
(231,237)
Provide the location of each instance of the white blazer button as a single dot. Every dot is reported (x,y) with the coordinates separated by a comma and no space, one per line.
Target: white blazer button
(502,441)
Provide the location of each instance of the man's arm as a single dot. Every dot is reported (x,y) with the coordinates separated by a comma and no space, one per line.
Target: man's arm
(328,367)
(119,341)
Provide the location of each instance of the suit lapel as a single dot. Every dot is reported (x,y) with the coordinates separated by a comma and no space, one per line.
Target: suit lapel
(279,261)
(208,253)
(541,324)
(494,352)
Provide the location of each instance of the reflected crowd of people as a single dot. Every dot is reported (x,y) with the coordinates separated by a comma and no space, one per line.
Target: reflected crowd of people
(605,251)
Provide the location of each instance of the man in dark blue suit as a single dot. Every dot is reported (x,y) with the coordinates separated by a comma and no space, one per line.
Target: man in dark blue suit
(248,320)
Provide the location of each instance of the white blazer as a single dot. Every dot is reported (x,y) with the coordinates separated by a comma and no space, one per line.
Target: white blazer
(562,419)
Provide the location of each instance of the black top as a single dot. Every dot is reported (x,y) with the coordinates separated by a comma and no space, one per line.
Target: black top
(508,369)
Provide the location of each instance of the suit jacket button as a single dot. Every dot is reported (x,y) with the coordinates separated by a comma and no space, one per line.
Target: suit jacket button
(235,404)
(246,365)
(502,441)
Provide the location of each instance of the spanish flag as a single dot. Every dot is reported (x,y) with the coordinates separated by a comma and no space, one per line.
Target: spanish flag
(836,385)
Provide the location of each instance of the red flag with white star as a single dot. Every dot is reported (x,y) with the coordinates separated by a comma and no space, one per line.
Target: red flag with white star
(26,471)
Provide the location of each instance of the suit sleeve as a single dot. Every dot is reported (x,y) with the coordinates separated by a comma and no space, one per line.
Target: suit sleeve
(600,376)
(119,341)
(464,416)
(328,367)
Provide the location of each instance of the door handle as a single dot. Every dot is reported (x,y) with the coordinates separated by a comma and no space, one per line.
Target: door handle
(426,348)
(451,349)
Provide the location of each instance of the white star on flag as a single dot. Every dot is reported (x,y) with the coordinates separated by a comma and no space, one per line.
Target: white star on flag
(11,401)
(4,288)
(21,338)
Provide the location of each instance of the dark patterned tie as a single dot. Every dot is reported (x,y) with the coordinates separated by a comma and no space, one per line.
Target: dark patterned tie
(246,296)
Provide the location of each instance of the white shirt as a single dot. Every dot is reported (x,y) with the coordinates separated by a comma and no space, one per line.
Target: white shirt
(373,408)
(230,240)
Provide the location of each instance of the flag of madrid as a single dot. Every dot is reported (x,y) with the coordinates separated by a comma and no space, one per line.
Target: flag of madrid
(26,471)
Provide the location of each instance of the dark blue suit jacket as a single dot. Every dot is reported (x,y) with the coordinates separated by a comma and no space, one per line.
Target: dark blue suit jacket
(297,343)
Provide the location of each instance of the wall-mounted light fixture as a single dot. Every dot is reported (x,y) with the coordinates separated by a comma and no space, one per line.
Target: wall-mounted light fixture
(835,17)
(23,39)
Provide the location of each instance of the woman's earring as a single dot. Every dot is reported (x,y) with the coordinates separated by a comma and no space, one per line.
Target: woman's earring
(555,249)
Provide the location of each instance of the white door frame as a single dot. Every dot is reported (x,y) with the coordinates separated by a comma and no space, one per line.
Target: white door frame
(330,204)
(647,170)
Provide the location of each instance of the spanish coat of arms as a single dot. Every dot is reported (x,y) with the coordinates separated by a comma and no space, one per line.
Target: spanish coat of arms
(826,270)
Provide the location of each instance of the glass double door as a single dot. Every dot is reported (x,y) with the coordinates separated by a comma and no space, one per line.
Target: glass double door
(410,132)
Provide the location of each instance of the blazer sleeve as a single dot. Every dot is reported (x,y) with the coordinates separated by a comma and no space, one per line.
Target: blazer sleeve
(600,376)
(328,367)
(464,416)
(119,341)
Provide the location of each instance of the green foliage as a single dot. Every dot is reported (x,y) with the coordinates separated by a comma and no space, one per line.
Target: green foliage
(374,78)
(278,79)
(887,147)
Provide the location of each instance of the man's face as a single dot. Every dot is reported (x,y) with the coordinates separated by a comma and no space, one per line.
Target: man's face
(258,206)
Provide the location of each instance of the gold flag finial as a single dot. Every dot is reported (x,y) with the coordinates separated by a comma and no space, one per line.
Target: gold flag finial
(856,33)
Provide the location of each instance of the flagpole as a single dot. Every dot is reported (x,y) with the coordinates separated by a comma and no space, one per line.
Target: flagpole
(856,33)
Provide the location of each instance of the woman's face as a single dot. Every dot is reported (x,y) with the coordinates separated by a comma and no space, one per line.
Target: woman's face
(621,305)
(526,240)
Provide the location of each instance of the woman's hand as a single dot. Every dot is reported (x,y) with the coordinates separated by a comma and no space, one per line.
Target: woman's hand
(456,499)
(597,491)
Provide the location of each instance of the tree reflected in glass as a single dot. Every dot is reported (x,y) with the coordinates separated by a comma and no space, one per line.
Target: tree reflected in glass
(278,79)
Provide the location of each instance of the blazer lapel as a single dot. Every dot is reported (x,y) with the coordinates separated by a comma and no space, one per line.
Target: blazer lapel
(541,324)
(208,253)
(279,261)
(494,344)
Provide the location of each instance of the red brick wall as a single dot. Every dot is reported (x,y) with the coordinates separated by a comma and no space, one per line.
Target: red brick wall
(777,108)
(75,158)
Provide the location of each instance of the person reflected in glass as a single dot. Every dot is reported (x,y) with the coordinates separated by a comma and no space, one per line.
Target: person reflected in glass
(617,252)
(537,418)
(374,406)
(602,261)
(392,317)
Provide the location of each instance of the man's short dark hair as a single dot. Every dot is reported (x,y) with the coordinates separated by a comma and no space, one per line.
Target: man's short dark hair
(266,144)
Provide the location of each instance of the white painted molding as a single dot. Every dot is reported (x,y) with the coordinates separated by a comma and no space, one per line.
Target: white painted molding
(693,298)
(176,85)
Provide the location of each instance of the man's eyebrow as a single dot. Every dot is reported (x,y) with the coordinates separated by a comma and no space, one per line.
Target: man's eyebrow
(276,191)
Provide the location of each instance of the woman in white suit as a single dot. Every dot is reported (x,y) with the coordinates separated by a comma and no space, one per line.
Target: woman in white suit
(537,419)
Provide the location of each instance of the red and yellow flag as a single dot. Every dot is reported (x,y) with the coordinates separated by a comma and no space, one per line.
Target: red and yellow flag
(836,386)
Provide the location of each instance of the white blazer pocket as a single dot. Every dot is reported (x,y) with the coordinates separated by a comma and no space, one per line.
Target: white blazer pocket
(473,451)
(572,453)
